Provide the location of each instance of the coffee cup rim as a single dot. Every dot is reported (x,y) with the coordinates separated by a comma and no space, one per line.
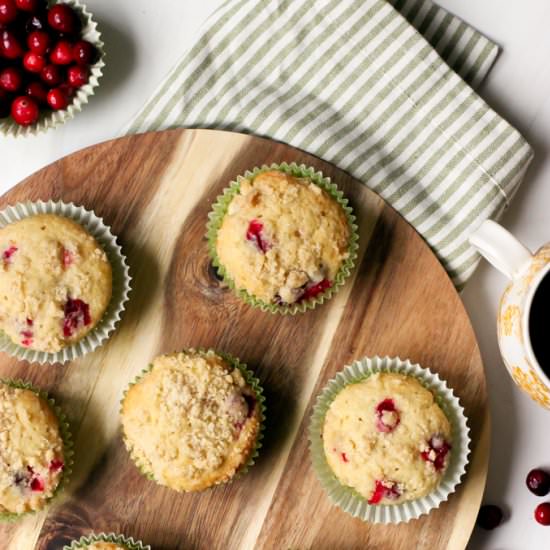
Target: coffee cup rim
(533,287)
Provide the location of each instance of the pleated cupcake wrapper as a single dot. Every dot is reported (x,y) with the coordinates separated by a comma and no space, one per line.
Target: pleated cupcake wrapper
(87,540)
(350,500)
(50,119)
(219,209)
(250,379)
(66,436)
(121,280)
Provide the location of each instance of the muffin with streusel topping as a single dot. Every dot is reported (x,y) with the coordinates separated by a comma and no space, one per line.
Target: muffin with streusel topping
(31,450)
(285,237)
(192,420)
(387,438)
(106,541)
(55,282)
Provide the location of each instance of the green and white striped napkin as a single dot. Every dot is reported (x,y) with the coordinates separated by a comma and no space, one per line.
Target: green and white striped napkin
(380,89)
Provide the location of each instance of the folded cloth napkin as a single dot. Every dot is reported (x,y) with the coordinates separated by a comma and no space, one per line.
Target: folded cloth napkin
(356,83)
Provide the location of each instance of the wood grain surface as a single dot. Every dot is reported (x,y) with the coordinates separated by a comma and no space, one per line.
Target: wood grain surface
(156,190)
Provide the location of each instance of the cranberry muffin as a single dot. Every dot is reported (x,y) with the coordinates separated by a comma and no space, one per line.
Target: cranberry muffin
(283,238)
(387,438)
(55,282)
(191,421)
(31,451)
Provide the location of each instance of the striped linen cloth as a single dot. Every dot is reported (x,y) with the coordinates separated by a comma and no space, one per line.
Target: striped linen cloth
(381,89)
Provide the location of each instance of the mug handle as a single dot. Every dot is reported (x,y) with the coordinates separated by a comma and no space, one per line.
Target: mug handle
(501,249)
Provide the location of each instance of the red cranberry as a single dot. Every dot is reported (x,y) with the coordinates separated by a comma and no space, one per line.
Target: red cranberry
(316,289)
(384,489)
(8,11)
(489,516)
(38,42)
(37,91)
(387,423)
(24,110)
(437,452)
(9,45)
(62,18)
(84,53)
(34,62)
(542,513)
(62,53)
(67,258)
(51,75)
(77,76)
(56,465)
(58,99)
(77,315)
(538,482)
(37,484)
(254,235)
(8,253)
(28,5)
(11,79)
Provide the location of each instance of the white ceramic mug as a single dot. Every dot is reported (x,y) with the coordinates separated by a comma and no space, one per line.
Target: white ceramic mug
(525,271)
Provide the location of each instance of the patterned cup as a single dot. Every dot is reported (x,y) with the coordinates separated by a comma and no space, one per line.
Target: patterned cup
(526,271)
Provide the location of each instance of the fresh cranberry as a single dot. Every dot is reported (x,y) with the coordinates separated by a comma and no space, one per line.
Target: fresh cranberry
(84,53)
(62,53)
(24,110)
(56,465)
(8,253)
(58,99)
(542,513)
(387,423)
(437,452)
(28,5)
(51,75)
(384,489)
(10,46)
(316,289)
(11,79)
(67,258)
(34,62)
(29,322)
(254,235)
(35,23)
(77,76)
(38,42)
(8,11)
(538,482)
(62,18)
(489,517)
(38,91)
(77,315)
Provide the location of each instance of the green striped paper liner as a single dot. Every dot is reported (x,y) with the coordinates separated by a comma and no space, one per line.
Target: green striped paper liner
(250,379)
(346,497)
(87,540)
(51,119)
(96,227)
(219,209)
(66,436)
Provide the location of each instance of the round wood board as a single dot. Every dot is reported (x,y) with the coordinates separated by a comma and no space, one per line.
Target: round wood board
(156,190)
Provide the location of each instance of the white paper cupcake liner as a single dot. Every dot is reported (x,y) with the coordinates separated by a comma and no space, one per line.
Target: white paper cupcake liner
(121,280)
(50,119)
(350,500)
(88,540)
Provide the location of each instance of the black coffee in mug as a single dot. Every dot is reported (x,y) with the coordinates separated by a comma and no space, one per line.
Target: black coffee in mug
(539,324)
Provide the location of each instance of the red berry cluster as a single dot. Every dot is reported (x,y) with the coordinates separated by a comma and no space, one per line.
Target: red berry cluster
(43,59)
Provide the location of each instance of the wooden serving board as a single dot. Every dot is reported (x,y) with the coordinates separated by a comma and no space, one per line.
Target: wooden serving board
(156,190)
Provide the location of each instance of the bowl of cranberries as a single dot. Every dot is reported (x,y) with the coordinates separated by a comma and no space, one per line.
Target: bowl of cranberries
(51,57)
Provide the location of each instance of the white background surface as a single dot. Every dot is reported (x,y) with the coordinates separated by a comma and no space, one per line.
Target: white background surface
(144,39)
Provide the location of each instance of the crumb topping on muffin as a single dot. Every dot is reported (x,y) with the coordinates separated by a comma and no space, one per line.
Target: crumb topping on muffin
(31,450)
(283,239)
(55,282)
(105,546)
(191,421)
(387,438)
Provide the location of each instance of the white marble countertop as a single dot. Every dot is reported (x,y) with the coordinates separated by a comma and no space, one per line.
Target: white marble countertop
(144,39)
